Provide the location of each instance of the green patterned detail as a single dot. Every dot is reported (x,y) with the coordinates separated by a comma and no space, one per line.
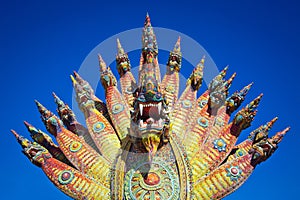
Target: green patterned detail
(220,144)
(186,103)
(162,182)
(170,88)
(202,121)
(129,90)
(75,146)
(117,108)
(240,152)
(65,177)
(219,121)
(234,173)
(98,127)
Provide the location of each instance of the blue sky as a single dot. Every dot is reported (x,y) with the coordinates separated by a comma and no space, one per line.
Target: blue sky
(42,42)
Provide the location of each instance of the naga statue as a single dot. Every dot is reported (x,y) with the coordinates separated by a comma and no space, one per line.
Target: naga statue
(146,143)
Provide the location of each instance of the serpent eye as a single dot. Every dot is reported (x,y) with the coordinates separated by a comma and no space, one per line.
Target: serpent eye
(158,95)
(142,98)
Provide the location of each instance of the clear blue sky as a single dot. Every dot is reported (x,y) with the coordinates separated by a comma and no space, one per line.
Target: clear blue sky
(42,42)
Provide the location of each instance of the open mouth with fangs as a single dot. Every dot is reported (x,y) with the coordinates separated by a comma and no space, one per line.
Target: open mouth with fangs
(151,116)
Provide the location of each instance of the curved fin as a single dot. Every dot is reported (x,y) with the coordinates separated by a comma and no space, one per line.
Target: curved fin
(181,115)
(99,128)
(103,135)
(221,182)
(116,105)
(69,119)
(195,136)
(218,146)
(79,186)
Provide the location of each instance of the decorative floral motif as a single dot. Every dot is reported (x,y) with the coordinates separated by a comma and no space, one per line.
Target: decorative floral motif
(145,145)
(117,108)
(219,121)
(239,153)
(161,182)
(186,103)
(234,172)
(98,127)
(65,177)
(75,146)
(170,88)
(219,144)
(129,90)
(203,122)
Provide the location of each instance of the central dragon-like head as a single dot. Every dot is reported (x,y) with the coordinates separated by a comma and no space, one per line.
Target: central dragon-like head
(150,107)
(150,115)
(150,111)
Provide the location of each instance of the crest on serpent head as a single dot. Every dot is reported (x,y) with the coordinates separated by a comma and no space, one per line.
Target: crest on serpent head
(36,153)
(147,141)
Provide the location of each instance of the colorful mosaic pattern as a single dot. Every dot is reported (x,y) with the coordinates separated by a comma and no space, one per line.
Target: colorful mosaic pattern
(146,142)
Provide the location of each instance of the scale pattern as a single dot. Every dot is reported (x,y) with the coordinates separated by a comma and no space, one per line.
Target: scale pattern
(146,142)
